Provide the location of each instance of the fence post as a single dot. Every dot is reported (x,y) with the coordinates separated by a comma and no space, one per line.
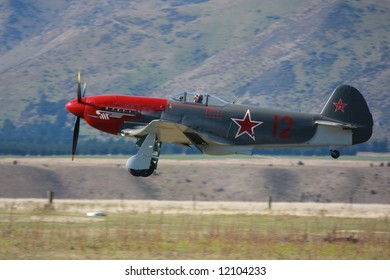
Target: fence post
(270,202)
(50,197)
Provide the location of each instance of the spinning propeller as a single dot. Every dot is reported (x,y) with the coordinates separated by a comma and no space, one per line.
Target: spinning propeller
(76,107)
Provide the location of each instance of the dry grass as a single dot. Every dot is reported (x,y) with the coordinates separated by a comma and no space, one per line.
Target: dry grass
(48,233)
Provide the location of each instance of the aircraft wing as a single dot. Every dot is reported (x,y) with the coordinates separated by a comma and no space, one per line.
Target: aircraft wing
(176,133)
(165,132)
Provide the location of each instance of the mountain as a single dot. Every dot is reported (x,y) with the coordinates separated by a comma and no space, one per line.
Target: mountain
(276,53)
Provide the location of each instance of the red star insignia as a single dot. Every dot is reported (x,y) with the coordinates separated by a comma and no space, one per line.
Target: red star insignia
(339,106)
(246,125)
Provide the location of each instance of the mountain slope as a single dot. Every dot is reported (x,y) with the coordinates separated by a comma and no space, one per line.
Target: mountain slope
(288,54)
(298,60)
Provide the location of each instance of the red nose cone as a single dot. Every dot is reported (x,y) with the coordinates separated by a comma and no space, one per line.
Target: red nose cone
(75,108)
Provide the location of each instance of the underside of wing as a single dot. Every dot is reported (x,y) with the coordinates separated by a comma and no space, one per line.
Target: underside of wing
(165,131)
(180,134)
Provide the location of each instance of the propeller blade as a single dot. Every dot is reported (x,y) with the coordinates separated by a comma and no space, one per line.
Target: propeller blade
(78,88)
(84,90)
(75,136)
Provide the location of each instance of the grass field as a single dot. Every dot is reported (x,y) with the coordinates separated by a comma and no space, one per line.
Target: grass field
(31,230)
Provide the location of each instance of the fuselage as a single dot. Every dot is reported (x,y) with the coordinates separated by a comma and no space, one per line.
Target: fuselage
(224,123)
(217,127)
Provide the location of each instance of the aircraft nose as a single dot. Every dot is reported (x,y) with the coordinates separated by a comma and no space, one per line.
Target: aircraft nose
(76,108)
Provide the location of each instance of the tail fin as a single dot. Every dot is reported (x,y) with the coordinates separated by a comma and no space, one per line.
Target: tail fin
(347,105)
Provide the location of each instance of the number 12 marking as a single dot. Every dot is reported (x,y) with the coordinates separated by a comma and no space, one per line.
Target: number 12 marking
(288,124)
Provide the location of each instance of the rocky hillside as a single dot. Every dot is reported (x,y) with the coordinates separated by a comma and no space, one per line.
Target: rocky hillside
(279,53)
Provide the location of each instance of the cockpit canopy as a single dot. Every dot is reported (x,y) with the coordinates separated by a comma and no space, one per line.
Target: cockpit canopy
(199,98)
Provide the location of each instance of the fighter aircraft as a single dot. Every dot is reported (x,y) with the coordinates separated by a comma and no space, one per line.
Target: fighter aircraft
(217,127)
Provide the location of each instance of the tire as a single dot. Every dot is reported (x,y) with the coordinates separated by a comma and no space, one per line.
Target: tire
(335,154)
(142,172)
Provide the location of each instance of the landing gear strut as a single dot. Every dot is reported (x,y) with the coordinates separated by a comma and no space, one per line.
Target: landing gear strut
(334,154)
(145,161)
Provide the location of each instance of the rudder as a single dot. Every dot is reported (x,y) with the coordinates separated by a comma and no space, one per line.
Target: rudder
(347,105)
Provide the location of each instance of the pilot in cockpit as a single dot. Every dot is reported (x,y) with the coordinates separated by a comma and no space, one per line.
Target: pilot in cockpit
(198,98)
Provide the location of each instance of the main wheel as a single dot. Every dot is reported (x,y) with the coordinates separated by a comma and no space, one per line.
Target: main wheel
(142,172)
(147,172)
(335,154)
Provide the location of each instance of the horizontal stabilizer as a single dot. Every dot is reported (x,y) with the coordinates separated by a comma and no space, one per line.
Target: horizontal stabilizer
(328,123)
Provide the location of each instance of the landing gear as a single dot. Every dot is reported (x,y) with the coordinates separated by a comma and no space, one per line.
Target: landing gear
(145,172)
(145,161)
(334,154)
(142,172)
